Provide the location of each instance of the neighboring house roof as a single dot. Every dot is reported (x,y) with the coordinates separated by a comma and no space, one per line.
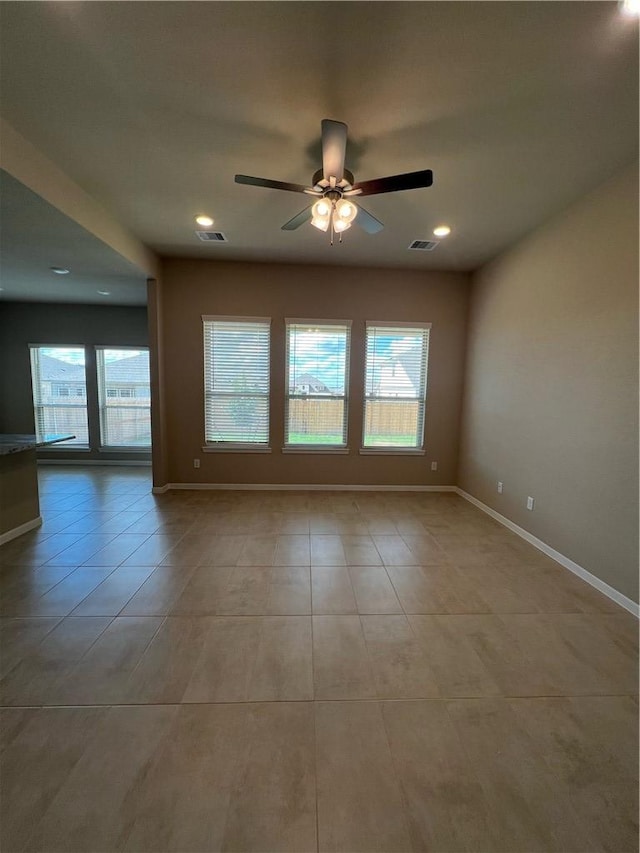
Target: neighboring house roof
(315,385)
(54,369)
(132,369)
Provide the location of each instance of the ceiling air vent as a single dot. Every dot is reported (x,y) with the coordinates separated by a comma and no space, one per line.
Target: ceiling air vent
(211,236)
(423,245)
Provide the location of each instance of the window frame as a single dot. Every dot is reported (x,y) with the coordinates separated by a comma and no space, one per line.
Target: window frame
(73,444)
(299,447)
(421,399)
(103,394)
(211,446)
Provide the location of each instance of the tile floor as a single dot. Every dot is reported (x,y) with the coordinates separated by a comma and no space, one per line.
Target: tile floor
(305,671)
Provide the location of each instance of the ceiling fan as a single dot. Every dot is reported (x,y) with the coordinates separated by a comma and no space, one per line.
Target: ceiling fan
(334,188)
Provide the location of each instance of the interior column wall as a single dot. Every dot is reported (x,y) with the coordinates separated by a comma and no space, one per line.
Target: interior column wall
(159,450)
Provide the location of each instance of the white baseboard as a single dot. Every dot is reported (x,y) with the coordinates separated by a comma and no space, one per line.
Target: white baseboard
(578,570)
(83,462)
(22,528)
(300,487)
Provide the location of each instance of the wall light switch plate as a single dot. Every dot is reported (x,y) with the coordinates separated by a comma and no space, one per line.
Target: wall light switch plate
(530,503)
(500,487)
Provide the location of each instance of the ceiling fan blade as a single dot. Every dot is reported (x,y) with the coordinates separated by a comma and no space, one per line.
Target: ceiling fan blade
(298,220)
(394,183)
(273,185)
(334,146)
(367,221)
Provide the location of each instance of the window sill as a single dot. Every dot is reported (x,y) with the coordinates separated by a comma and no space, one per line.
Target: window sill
(235,448)
(125,449)
(392,451)
(65,448)
(312,448)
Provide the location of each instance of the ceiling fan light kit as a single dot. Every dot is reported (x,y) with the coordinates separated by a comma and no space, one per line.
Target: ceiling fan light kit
(335,212)
(334,187)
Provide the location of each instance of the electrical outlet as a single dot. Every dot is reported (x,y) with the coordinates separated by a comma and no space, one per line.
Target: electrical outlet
(500,487)
(196,463)
(434,466)
(530,502)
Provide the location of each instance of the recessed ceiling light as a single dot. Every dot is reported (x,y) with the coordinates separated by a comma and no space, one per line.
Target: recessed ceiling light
(104,292)
(629,8)
(442,231)
(205,221)
(59,270)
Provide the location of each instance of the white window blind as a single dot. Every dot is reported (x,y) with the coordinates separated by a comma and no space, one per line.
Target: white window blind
(395,385)
(59,385)
(236,380)
(124,397)
(317,382)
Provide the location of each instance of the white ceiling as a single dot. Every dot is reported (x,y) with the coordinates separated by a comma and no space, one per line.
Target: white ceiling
(517,107)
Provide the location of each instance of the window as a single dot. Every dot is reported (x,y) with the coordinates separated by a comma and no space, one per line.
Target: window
(123,375)
(54,370)
(395,385)
(317,383)
(236,381)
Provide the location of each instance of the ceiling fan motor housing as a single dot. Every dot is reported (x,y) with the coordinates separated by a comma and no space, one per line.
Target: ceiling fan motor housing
(319,182)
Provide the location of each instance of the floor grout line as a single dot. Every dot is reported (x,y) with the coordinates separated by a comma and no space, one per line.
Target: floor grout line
(315,722)
(320,700)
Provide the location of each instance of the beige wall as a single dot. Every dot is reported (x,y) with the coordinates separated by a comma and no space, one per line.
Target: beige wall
(192,288)
(551,389)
